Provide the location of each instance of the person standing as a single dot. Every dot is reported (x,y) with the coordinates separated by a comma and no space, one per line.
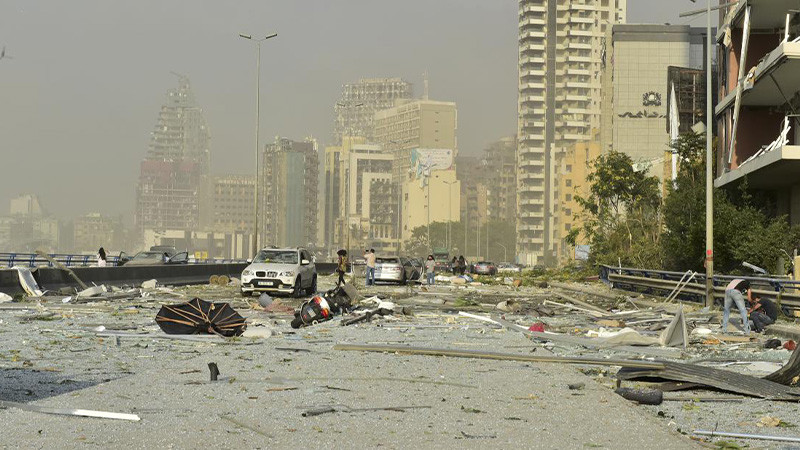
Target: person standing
(454,266)
(101,257)
(369,257)
(462,265)
(341,266)
(763,313)
(430,269)
(734,293)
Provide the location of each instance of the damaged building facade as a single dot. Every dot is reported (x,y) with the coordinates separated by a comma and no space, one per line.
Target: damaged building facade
(354,113)
(758,114)
(288,193)
(176,167)
(560,56)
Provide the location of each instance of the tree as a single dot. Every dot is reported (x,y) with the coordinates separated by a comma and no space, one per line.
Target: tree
(621,213)
(744,229)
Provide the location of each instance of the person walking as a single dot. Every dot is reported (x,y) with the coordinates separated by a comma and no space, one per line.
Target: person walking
(369,257)
(763,313)
(341,266)
(734,293)
(430,269)
(101,257)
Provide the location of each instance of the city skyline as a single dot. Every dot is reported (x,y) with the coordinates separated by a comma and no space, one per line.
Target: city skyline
(86,78)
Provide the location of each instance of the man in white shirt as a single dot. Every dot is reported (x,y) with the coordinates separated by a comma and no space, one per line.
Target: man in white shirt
(369,256)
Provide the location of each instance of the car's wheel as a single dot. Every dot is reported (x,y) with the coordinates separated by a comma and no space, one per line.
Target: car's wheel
(298,289)
(313,288)
(404,280)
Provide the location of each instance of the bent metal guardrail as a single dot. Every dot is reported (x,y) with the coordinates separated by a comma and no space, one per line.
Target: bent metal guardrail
(783,291)
(72,260)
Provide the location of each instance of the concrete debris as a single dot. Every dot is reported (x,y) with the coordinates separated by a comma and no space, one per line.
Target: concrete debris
(264,300)
(28,283)
(149,284)
(93,291)
(676,334)
(5,298)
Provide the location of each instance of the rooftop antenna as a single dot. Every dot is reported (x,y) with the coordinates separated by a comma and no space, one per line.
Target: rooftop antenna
(425,84)
(3,54)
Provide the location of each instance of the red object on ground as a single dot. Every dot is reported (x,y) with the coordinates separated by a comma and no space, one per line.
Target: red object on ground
(538,326)
(789,345)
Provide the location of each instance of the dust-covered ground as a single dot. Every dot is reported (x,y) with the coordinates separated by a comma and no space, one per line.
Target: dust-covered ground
(64,355)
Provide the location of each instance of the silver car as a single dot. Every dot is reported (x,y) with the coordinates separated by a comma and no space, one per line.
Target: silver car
(395,269)
(282,270)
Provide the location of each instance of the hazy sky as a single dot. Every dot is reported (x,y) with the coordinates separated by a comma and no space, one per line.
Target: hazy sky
(82,92)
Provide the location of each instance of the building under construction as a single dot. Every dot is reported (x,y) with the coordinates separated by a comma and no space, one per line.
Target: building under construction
(176,166)
(355,110)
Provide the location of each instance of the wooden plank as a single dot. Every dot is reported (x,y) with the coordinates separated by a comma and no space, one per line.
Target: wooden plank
(461,353)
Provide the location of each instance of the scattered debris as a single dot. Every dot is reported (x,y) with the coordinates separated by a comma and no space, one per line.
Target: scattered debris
(70,412)
(200,316)
(214,371)
(747,436)
(641,396)
(342,408)
(93,291)
(149,284)
(28,283)
(576,386)
(4,298)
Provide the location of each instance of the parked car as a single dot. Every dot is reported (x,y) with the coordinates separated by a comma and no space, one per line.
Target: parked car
(509,268)
(280,270)
(485,268)
(154,258)
(443,266)
(395,269)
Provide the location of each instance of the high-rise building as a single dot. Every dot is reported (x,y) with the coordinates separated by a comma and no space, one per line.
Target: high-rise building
(425,128)
(288,193)
(500,163)
(642,55)
(228,207)
(95,230)
(361,196)
(176,167)
(572,170)
(560,63)
(355,110)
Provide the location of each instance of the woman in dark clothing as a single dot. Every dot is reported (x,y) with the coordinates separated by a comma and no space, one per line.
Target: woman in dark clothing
(341,266)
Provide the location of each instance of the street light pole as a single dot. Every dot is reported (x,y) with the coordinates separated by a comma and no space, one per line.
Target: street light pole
(505,252)
(449,210)
(709,257)
(258,123)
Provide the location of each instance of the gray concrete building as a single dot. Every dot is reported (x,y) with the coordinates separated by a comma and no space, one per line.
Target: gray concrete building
(356,108)
(641,56)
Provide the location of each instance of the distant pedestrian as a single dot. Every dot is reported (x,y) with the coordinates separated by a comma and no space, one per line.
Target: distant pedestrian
(763,313)
(734,293)
(462,265)
(341,266)
(454,266)
(101,257)
(430,269)
(369,257)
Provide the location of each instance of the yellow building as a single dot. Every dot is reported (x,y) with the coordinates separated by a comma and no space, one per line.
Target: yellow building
(572,168)
(429,199)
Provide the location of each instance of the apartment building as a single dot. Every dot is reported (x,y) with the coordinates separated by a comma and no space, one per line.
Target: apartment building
(356,108)
(561,55)
(759,91)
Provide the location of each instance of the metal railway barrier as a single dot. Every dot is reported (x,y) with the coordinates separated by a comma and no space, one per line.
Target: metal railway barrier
(782,291)
(73,260)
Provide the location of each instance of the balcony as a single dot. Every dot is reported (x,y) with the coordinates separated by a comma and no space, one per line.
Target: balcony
(773,170)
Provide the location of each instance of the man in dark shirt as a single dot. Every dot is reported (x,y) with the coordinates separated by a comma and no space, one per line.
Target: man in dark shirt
(763,313)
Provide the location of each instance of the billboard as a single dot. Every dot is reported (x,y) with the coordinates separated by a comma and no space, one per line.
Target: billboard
(426,160)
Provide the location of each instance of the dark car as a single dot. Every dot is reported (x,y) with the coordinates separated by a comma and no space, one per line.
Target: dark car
(485,268)
(154,258)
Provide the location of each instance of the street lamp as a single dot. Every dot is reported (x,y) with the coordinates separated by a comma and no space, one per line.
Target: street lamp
(505,252)
(449,209)
(258,121)
(348,127)
(709,177)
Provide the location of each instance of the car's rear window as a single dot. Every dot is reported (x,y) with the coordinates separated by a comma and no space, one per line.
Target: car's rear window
(387,260)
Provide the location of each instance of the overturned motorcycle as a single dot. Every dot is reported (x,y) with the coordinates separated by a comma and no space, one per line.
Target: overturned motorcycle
(323,307)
